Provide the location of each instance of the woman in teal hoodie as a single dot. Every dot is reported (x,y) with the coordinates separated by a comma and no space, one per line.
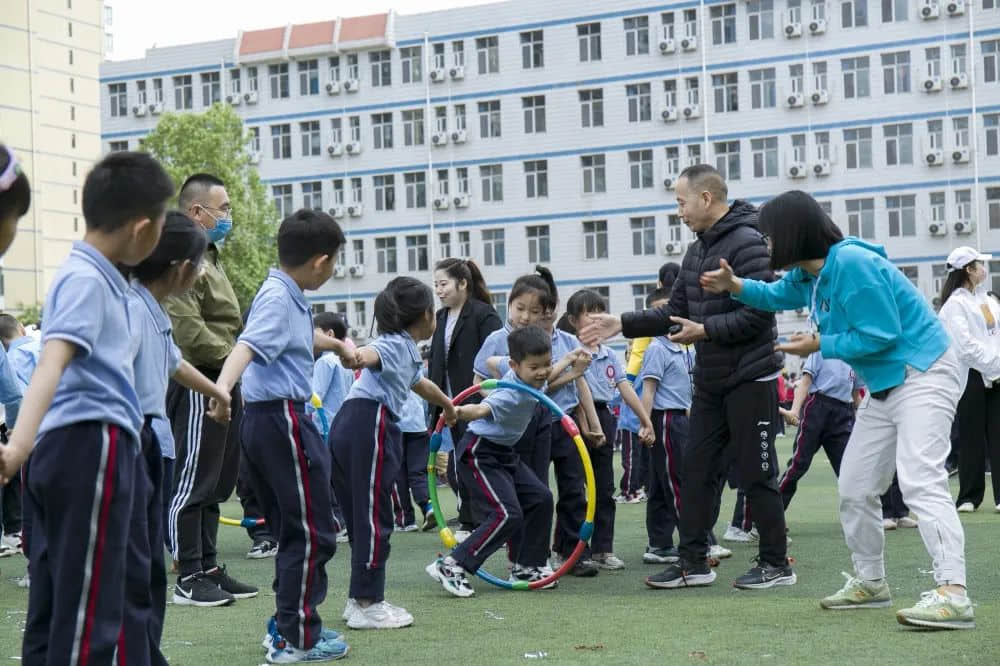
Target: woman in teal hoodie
(867,313)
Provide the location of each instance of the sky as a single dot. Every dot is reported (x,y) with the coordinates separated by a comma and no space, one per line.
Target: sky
(139,24)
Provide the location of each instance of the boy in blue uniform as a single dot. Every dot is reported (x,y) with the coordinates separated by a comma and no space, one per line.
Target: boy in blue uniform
(412,479)
(288,462)
(83,408)
(502,487)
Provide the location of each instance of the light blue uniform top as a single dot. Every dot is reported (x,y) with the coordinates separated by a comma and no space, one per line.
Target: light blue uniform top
(279,330)
(627,419)
(414,415)
(399,370)
(510,413)
(87,306)
(156,358)
(330,381)
(566,396)
(11,391)
(831,377)
(23,355)
(495,344)
(604,374)
(670,364)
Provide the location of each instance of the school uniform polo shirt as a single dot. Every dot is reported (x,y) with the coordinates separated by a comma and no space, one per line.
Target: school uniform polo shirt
(510,413)
(831,377)
(669,364)
(399,369)
(604,374)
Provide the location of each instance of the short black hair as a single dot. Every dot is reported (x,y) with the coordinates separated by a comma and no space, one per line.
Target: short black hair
(564,324)
(16,199)
(668,274)
(331,321)
(403,301)
(195,187)
(9,326)
(528,341)
(305,234)
(798,227)
(122,187)
(658,294)
(705,177)
(181,240)
(585,300)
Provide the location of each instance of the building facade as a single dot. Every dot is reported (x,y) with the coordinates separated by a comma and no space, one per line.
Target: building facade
(520,132)
(50,117)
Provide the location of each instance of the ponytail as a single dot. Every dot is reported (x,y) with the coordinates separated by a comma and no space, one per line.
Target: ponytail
(403,301)
(546,275)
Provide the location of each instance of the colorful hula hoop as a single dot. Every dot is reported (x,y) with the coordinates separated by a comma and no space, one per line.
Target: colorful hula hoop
(586,529)
(243,522)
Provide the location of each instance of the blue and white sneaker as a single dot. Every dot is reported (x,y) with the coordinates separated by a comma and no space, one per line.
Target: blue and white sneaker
(281,652)
(274,635)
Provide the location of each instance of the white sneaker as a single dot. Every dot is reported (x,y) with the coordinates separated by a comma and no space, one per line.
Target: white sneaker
(906,521)
(379,616)
(998,508)
(734,533)
(12,541)
(889,524)
(966,507)
(412,527)
(451,576)
(342,536)
(719,552)
(24,581)
(462,535)
(348,609)
(608,561)
(401,613)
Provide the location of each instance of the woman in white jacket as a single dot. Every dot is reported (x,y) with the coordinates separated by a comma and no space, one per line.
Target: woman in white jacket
(972,319)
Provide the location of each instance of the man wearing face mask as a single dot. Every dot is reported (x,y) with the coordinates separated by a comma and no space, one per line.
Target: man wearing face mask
(206,321)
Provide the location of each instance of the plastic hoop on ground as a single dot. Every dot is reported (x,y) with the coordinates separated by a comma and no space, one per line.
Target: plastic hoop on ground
(243,522)
(586,528)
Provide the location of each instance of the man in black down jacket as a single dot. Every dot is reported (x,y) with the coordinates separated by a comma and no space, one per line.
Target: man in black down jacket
(734,413)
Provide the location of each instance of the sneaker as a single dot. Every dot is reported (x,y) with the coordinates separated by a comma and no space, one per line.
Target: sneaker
(462,535)
(7,551)
(858,593)
(734,533)
(430,522)
(764,575)
(348,609)
(682,574)
(281,652)
(939,611)
(755,536)
(198,590)
(906,521)
(660,555)
(998,508)
(889,524)
(24,581)
(273,635)
(620,498)
(519,573)
(378,616)
(218,576)
(412,527)
(642,496)
(608,561)
(399,612)
(12,540)
(585,568)
(451,576)
(719,552)
(262,549)
(633,499)
(342,536)
(966,507)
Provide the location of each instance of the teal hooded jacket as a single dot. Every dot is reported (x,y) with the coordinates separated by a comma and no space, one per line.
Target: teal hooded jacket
(869,315)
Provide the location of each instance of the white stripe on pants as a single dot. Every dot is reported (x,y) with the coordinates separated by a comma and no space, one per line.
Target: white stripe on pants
(908,433)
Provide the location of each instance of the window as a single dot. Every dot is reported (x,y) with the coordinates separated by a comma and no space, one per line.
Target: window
(488,55)
(211,88)
(861,218)
(992,206)
(442,184)
(765,157)
(960,127)
(639,102)
(856,80)
(532,50)
(117,146)
(538,244)
(499,301)
(690,22)
(360,315)
(896,72)
(358,248)
(794,11)
(441,119)
(911,273)
(281,141)
(991,125)
(464,244)
(385,192)
(413,127)
(458,53)
(674,232)
(640,167)
(990,51)
(902,215)
(991,4)
(282,195)
(604,292)
(593,173)
(726,91)
(858,146)
(691,85)
(336,130)
(727,159)
(534,114)
(462,181)
(416,189)
(357,193)
(119,99)
(763,90)
(439,59)
(235,83)
(937,206)
(381,63)
(382,130)
(935,134)
(636,35)
(673,157)
(799,148)
(643,235)
(308,77)
(933,58)
(493,247)
(338,191)
(589,36)
(355,125)
(416,253)
(963,204)
(278,75)
(639,293)
(670,93)
(460,116)
(489,119)
(412,61)
(536,176)
(491,177)
(385,254)
(353,68)
(310,138)
(157,91)
(334,63)
(760,15)
(898,144)
(592,108)
(893,10)
(958,60)
(819,76)
(183,93)
(595,239)
(854,13)
(254,141)
(444,244)
(251,79)
(312,195)
(723,23)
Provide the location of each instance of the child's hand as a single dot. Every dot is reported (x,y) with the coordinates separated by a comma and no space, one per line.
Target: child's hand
(646,435)
(596,438)
(581,360)
(791,418)
(220,406)
(12,456)
(451,415)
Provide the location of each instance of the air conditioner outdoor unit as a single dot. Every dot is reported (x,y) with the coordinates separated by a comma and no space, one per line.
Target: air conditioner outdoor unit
(459,136)
(817,26)
(819,97)
(931,84)
(667,46)
(959,81)
(441,203)
(673,248)
(934,158)
(670,182)
(354,148)
(964,227)
(691,111)
(821,168)
(355,210)
(797,170)
(937,229)
(336,212)
(255,157)
(339,272)
(156,108)
(461,201)
(955,7)
(457,73)
(355,332)
(333,88)
(793,29)
(139,110)
(669,114)
(960,155)
(357,270)
(930,10)
(439,138)
(689,44)
(250,97)
(335,149)
(796,100)
(352,85)
(234,100)
(437,75)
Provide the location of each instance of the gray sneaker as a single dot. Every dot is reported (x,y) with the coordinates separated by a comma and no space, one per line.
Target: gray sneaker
(858,593)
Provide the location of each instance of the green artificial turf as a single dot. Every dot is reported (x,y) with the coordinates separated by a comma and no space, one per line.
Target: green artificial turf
(614,618)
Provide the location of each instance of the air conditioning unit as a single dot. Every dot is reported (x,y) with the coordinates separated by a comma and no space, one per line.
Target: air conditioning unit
(819,97)
(459,136)
(461,201)
(797,170)
(821,168)
(937,229)
(250,97)
(931,84)
(437,75)
(457,73)
(335,149)
(356,271)
(793,29)
(255,157)
(669,114)
(673,248)
(958,81)
(955,7)
(354,148)
(795,100)
(439,138)
(934,158)
(355,333)
(234,100)
(339,272)
(670,181)
(691,111)
(336,212)
(139,110)
(964,227)
(156,108)
(355,210)
(689,44)
(960,155)
(930,10)
(667,46)
(333,88)
(817,26)
(441,203)
(352,85)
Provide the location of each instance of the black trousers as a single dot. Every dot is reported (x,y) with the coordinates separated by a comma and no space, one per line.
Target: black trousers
(535,445)
(412,479)
(737,427)
(571,507)
(602,459)
(978,419)
(634,458)
(11,507)
(465,509)
(663,506)
(826,423)
(248,499)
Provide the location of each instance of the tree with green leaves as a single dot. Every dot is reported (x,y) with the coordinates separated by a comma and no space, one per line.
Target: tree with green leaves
(215,142)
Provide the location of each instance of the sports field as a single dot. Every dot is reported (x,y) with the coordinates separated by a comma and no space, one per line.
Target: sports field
(614,618)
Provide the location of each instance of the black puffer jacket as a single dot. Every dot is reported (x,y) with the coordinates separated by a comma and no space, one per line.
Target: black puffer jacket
(740,344)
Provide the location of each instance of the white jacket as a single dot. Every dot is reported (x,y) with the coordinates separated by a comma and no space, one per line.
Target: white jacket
(976,340)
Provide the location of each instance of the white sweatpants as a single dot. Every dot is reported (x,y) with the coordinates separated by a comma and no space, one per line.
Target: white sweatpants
(909,434)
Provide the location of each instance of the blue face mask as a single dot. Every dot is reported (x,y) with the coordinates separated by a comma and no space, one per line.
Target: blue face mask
(217,234)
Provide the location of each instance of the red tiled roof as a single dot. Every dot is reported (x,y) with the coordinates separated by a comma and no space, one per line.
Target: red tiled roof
(311,34)
(363,27)
(262,41)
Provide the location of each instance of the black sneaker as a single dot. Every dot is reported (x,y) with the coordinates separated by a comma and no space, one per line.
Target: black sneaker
(763,575)
(430,522)
(198,590)
(585,568)
(239,590)
(682,574)
(262,549)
